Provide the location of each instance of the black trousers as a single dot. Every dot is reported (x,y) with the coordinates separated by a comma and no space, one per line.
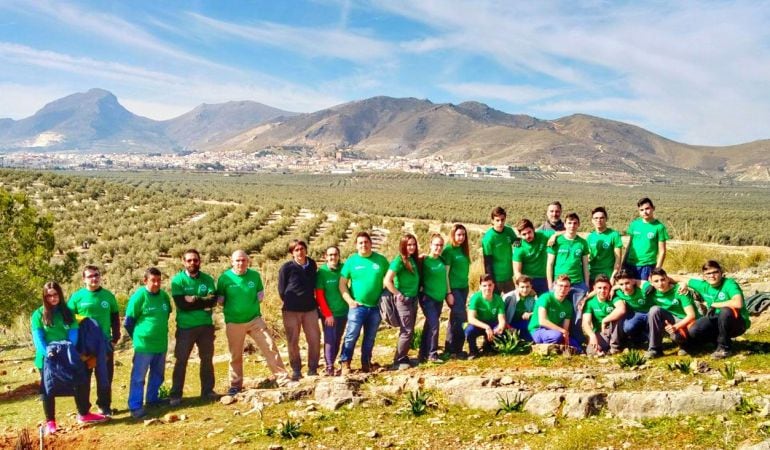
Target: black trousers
(80,391)
(719,328)
(186,338)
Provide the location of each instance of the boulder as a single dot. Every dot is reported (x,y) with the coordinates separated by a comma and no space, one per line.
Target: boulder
(333,393)
(640,405)
(579,405)
(489,398)
(544,403)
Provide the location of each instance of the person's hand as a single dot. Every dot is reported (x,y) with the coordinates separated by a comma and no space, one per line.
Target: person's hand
(517,243)
(594,343)
(490,334)
(398,296)
(329,321)
(683,289)
(606,323)
(565,336)
(499,329)
(670,328)
(450,299)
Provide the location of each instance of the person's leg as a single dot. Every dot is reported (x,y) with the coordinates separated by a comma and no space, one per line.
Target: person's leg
(472,333)
(522,326)
(455,337)
(657,318)
(577,292)
(372,321)
(339,331)
(632,270)
(236,334)
(488,345)
(329,341)
(141,364)
(407,313)
(635,328)
(313,338)
(352,331)
(205,343)
(104,390)
(540,285)
(292,321)
(49,402)
(157,375)
(432,311)
(81,399)
(644,271)
(547,336)
(257,329)
(730,324)
(613,336)
(185,339)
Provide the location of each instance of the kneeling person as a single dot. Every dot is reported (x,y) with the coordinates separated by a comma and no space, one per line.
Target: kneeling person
(601,317)
(519,306)
(486,315)
(551,319)
(673,313)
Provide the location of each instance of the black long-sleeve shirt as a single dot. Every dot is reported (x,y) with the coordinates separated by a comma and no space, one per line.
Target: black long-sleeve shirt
(296,286)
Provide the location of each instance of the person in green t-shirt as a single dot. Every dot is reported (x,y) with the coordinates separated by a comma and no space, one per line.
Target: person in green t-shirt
(457,257)
(97,302)
(605,247)
(672,313)
(146,321)
(552,317)
(240,292)
(194,294)
(726,317)
(530,257)
(635,324)
(519,306)
(496,246)
(646,248)
(403,281)
(486,316)
(333,308)
(361,285)
(436,290)
(53,321)
(601,319)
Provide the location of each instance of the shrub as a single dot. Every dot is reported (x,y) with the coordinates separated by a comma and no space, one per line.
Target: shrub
(633,358)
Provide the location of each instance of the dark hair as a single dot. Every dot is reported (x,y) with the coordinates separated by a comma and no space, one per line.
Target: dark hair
(643,201)
(523,279)
(555,203)
(152,271)
(572,216)
(602,278)
(332,247)
(90,268)
(464,246)
(191,251)
(498,211)
(296,243)
(405,254)
(600,209)
(711,264)
(486,277)
(48,308)
(658,271)
(363,234)
(523,224)
(624,274)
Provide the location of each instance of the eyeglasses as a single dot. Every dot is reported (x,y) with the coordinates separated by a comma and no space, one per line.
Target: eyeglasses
(192,260)
(93,275)
(712,273)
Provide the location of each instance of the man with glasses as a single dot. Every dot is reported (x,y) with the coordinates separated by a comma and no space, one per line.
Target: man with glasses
(605,248)
(727,316)
(194,294)
(95,302)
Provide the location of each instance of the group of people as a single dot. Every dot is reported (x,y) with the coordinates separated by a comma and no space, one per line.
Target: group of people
(549,284)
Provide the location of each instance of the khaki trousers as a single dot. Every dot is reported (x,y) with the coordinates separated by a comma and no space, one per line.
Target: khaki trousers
(236,336)
(293,321)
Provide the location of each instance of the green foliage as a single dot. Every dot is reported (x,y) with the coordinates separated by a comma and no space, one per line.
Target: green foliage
(632,358)
(682,366)
(509,343)
(416,338)
(746,407)
(286,429)
(164,392)
(509,406)
(418,401)
(728,371)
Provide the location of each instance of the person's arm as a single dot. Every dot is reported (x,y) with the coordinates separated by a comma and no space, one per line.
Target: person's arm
(618,262)
(115,327)
(542,316)
(130,323)
(549,269)
(479,324)
(501,324)
(345,292)
(689,318)
(450,298)
(390,285)
(585,269)
(616,314)
(323,305)
(661,254)
(586,324)
(736,301)
(489,265)
(282,281)
(261,295)
(38,338)
(517,266)
(72,335)
(194,302)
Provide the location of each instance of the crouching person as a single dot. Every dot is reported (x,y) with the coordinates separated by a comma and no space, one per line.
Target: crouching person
(146,321)
(672,313)
(601,319)
(519,306)
(486,316)
(551,319)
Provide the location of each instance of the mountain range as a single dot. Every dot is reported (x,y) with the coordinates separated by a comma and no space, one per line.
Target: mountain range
(377,127)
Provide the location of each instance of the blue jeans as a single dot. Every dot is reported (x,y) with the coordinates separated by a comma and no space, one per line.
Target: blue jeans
(640,272)
(332,338)
(635,327)
(577,292)
(523,327)
(472,333)
(155,363)
(429,343)
(540,285)
(547,336)
(365,317)
(455,338)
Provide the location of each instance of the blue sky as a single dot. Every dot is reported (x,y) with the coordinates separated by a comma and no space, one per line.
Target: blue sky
(697,72)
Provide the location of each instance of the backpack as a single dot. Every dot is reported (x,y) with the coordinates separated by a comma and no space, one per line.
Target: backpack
(93,346)
(388,310)
(62,369)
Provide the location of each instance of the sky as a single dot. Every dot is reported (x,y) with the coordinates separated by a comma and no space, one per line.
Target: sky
(693,71)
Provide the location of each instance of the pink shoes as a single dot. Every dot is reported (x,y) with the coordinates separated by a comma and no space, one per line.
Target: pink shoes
(91,418)
(50,427)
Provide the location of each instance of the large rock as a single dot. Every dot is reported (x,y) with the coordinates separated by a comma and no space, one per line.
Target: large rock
(579,405)
(490,399)
(333,393)
(640,405)
(544,403)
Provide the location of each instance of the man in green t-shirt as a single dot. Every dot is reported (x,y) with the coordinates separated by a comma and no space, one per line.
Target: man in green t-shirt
(519,306)
(672,313)
(361,286)
(333,308)
(146,321)
(601,319)
(486,316)
(605,247)
(635,328)
(496,246)
(240,291)
(98,303)
(530,257)
(647,241)
(569,256)
(194,294)
(552,317)
(727,316)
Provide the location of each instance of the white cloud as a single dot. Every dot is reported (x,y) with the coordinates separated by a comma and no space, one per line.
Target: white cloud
(515,94)
(21,101)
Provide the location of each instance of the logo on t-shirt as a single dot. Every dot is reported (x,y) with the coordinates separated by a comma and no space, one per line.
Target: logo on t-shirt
(606,244)
(650,235)
(104,304)
(675,301)
(203,289)
(251,285)
(376,266)
(562,315)
(721,296)
(165,307)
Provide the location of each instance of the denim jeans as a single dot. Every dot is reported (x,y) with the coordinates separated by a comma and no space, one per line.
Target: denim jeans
(103,391)
(155,363)
(635,329)
(458,315)
(472,333)
(640,272)
(203,337)
(365,317)
(429,343)
(719,328)
(540,285)
(523,327)
(332,339)
(547,336)
(577,292)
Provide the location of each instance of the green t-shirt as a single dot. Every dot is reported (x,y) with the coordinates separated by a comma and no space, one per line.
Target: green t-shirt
(98,305)
(201,286)
(58,331)
(498,246)
(151,312)
(365,275)
(556,311)
(671,300)
(599,310)
(408,283)
(636,301)
(643,250)
(601,248)
(526,304)
(533,256)
(240,294)
(459,266)
(329,280)
(434,278)
(725,292)
(486,310)
(569,257)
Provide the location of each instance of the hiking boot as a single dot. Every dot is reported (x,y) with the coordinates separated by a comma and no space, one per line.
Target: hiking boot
(721,353)
(312,373)
(682,352)
(210,396)
(138,413)
(50,427)
(652,354)
(90,418)
(106,412)
(296,375)
(174,401)
(366,367)
(473,355)
(345,368)
(234,390)
(435,360)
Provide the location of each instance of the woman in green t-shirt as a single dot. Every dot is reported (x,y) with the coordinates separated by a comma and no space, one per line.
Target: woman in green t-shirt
(435,276)
(457,257)
(403,281)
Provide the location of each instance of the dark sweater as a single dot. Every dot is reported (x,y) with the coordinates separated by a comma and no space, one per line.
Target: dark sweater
(296,286)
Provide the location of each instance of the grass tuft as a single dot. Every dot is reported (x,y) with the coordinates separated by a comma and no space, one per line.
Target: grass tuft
(633,358)
(509,343)
(682,365)
(509,406)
